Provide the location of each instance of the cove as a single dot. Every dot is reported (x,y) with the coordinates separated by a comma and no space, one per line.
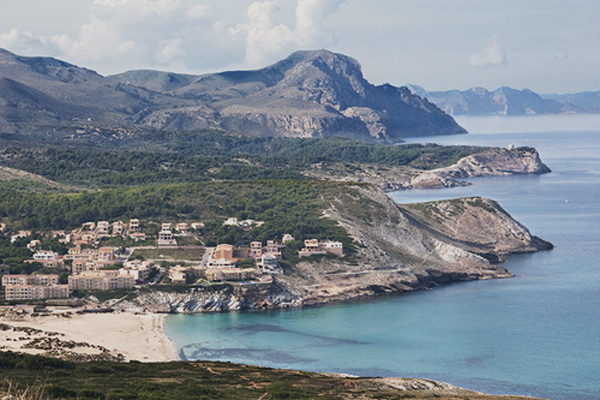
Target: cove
(536,334)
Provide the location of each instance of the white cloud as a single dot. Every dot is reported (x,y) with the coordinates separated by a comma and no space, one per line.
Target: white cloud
(198,11)
(138,8)
(492,55)
(266,37)
(311,16)
(188,35)
(169,50)
(22,42)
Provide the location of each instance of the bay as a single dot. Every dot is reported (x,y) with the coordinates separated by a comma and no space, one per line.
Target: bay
(535,334)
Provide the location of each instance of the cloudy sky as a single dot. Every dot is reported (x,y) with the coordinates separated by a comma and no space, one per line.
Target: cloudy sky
(543,45)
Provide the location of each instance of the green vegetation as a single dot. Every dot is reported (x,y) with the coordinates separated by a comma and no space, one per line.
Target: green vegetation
(177,157)
(54,378)
(187,253)
(201,175)
(286,206)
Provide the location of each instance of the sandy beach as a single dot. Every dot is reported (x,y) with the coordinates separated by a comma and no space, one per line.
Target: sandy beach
(114,336)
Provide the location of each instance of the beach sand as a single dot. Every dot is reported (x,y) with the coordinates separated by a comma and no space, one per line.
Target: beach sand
(123,336)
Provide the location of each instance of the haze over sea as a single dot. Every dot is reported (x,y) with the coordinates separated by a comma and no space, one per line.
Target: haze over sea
(535,334)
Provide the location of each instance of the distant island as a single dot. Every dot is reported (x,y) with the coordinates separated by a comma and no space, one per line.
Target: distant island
(308,94)
(509,101)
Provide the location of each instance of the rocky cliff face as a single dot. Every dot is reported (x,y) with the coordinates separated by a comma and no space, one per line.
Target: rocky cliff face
(478,225)
(309,94)
(398,249)
(496,162)
(214,298)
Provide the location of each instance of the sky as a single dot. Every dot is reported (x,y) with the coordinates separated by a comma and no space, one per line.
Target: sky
(549,46)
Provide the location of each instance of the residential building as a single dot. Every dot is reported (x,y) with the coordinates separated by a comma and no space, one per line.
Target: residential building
(100,280)
(230,274)
(248,224)
(273,248)
(89,238)
(221,263)
(19,235)
(106,254)
(118,228)
(231,221)
(166,237)
(197,225)
(138,236)
(88,226)
(139,270)
(255,250)
(45,255)
(268,264)
(333,247)
(134,226)
(223,251)
(36,280)
(36,292)
(50,259)
(313,246)
(32,287)
(178,274)
(287,238)
(182,228)
(33,245)
(103,228)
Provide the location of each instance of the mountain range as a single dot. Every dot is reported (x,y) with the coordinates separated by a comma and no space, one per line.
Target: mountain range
(509,101)
(308,94)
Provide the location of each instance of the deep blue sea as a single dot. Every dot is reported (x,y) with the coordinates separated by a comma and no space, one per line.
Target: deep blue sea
(535,334)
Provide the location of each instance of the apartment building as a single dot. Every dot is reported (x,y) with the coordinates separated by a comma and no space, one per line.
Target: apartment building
(101,280)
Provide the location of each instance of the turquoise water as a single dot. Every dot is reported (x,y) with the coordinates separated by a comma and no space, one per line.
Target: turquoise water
(536,334)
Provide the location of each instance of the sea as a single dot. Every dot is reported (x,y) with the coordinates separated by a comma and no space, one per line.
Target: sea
(536,334)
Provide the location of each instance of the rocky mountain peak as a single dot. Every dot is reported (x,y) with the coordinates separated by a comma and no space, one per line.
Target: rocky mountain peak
(308,94)
(324,77)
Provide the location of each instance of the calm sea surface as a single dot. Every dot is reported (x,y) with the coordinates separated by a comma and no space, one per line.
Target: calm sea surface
(536,334)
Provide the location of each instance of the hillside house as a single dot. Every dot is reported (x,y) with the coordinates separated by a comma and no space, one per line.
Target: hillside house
(103,229)
(255,249)
(268,264)
(166,237)
(134,226)
(272,248)
(49,259)
(33,245)
(118,228)
(287,238)
(138,236)
(314,247)
(182,228)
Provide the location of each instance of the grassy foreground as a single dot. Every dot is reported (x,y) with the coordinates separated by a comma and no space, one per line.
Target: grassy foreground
(34,377)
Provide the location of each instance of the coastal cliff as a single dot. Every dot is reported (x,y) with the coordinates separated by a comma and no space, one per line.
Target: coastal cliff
(396,249)
(493,162)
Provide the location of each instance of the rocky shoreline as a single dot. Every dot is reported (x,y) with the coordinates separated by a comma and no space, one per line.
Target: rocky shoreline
(494,162)
(399,248)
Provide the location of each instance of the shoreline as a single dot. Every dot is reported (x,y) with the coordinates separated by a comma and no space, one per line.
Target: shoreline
(117,336)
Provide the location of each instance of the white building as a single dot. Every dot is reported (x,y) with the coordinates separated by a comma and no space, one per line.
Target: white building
(268,264)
